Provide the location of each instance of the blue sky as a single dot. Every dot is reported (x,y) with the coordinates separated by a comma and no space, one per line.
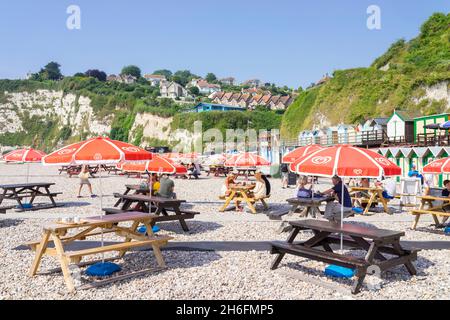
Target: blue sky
(289,42)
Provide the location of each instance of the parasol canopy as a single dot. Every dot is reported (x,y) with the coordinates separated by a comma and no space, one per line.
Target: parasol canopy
(28,155)
(100,150)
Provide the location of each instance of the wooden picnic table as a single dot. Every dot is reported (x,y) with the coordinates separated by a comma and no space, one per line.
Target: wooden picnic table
(75,170)
(427,206)
(242,193)
(375,196)
(376,242)
(311,205)
(218,170)
(55,234)
(158,205)
(133,187)
(30,190)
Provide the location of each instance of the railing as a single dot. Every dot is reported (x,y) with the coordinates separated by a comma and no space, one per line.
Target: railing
(428,140)
(364,138)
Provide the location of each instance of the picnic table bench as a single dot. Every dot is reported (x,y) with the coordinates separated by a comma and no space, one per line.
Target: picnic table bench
(218,171)
(133,187)
(158,205)
(435,208)
(55,241)
(311,205)
(376,242)
(374,196)
(242,193)
(32,190)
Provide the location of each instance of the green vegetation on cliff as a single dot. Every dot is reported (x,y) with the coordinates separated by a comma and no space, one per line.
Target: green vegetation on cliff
(394,81)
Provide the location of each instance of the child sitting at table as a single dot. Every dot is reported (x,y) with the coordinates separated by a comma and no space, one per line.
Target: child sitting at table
(302,190)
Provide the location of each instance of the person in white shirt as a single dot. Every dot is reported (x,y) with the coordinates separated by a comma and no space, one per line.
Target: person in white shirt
(389,188)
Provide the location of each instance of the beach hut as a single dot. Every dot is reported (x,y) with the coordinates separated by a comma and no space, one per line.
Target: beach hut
(318,136)
(332,136)
(400,127)
(343,133)
(305,137)
(374,131)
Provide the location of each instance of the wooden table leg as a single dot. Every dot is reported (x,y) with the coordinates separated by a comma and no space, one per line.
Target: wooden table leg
(276,261)
(293,209)
(409,265)
(182,221)
(383,201)
(249,202)
(133,228)
(64,262)
(436,220)
(39,253)
(156,249)
(228,201)
(416,221)
(369,204)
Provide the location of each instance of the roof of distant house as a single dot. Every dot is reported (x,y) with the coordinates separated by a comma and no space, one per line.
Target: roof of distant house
(154,76)
(206,84)
(407,115)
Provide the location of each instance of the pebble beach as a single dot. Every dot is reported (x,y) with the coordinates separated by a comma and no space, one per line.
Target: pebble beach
(223,256)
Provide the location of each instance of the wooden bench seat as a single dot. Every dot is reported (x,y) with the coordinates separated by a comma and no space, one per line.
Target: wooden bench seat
(36,207)
(73,255)
(419,212)
(315,254)
(34,244)
(4,208)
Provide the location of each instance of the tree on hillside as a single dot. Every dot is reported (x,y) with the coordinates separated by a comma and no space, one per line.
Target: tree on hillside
(211,77)
(164,72)
(79,75)
(94,73)
(51,71)
(194,91)
(131,71)
(183,77)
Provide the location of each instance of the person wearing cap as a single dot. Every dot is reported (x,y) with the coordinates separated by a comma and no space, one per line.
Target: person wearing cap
(414,173)
(333,209)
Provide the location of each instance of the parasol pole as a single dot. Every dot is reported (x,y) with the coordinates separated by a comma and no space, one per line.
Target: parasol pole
(342,214)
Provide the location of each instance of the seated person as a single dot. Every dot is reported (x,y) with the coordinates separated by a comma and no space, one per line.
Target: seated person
(389,188)
(302,190)
(333,210)
(259,191)
(226,187)
(414,173)
(364,183)
(267,183)
(428,183)
(166,187)
(446,194)
(192,171)
(153,181)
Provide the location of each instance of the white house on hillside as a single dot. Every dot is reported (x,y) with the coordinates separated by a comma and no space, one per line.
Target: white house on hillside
(154,79)
(172,90)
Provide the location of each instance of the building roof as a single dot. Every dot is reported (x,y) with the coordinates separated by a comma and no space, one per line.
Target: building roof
(206,84)
(203,104)
(406,115)
(154,76)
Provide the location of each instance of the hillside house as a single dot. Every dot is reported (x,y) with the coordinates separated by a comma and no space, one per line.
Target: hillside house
(173,90)
(155,79)
(230,81)
(204,87)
